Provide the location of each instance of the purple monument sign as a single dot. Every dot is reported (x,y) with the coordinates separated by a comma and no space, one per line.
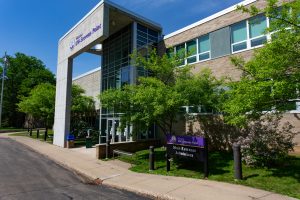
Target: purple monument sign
(186,140)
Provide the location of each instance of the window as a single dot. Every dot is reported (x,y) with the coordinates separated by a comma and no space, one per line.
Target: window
(170,52)
(248,33)
(257,27)
(204,47)
(180,51)
(194,50)
(191,49)
(239,36)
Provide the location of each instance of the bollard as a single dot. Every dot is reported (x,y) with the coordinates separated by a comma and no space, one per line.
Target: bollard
(205,162)
(37,133)
(30,133)
(107,153)
(238,175)
(28,129)
(151,158)
(46,134)
(168,162)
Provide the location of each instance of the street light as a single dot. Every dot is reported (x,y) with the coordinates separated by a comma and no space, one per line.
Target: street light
(5,61)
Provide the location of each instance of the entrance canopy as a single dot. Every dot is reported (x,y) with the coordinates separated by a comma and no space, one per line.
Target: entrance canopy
(87,35)
(102,21)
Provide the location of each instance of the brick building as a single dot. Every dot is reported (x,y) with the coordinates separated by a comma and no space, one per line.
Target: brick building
(215,38)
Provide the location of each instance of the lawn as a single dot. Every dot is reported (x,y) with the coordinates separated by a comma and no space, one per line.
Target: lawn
(34,134)
(11,129)
(283,179)
(78,142)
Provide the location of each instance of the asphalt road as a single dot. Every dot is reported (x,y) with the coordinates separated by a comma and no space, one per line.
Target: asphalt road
(27,175)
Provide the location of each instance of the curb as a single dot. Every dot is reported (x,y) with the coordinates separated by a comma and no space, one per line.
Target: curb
(88,179)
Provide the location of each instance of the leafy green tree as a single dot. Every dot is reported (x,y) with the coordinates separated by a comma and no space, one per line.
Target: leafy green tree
(270,80)
(80,102)
(269,86)
(41,103)
(23,74)
(159,97)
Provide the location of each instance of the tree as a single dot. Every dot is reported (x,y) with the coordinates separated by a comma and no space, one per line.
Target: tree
(41,103)
(270,80)
(157,99)
(23,74)
(80,102)
(82,107)
(268,87)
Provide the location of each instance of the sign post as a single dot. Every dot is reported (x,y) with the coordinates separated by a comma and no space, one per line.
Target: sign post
(189,147)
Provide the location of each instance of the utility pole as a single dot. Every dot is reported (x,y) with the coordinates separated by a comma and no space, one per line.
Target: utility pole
(2,86)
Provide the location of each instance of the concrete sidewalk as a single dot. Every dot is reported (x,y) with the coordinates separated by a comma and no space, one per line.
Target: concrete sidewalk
(159,187)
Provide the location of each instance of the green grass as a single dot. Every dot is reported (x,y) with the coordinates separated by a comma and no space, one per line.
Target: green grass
(12,128)
(34,134)
(78,142)
(283,179)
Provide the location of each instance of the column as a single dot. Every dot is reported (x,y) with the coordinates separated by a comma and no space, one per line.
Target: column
(63,102)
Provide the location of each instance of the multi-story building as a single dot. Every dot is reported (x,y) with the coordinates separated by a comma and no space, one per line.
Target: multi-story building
(215,38)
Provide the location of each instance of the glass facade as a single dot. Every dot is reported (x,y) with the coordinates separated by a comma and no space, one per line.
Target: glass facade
(147,40)
(117,71)
(116,59)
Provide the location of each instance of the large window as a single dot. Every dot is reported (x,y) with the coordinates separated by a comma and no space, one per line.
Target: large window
(180,51)
(204,48)
(192,51)
(245,35)
(239,36)
(257,27)
(249,33)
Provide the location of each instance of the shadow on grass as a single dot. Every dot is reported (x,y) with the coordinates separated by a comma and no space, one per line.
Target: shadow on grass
(250,176)
(289,167)
(217,162)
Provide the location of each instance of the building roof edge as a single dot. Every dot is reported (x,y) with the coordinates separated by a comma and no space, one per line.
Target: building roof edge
(207,19)
(150,22)
(87,73)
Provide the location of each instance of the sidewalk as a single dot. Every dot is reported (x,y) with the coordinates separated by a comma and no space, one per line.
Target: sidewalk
(159,187)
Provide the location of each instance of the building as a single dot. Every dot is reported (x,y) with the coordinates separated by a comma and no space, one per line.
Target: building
(90,82)
(114,32)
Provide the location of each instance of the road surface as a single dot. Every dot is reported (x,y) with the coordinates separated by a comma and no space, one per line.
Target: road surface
(27,175)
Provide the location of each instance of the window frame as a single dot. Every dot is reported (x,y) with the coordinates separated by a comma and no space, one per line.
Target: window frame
(249,39)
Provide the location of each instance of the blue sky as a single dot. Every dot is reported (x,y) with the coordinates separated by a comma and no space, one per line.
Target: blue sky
(34,27)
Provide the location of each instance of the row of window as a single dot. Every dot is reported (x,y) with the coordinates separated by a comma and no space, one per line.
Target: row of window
(244,35)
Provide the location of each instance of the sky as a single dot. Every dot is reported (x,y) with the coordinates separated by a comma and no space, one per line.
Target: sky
(33,27)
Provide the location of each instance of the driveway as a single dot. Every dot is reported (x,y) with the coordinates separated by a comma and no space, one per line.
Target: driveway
(27,175)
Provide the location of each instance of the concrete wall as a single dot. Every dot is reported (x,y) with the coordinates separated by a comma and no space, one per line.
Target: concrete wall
(91,83)
(91,30)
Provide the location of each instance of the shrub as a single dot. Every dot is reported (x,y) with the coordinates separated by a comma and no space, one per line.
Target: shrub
(265,142)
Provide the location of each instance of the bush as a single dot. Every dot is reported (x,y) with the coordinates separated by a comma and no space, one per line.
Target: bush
(265,142)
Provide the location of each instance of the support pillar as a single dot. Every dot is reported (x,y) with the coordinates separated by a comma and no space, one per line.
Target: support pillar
(63,102)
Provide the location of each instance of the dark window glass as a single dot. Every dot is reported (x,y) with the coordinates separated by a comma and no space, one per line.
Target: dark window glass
(239,47)
(204,56)
(258,41)
(192,59)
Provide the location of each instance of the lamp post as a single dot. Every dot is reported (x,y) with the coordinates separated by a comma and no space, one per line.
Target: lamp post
(5,60)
